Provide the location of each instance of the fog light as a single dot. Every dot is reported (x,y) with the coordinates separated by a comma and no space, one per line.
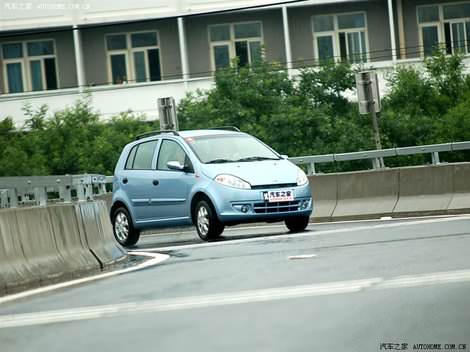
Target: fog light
(304,205)
(245,208)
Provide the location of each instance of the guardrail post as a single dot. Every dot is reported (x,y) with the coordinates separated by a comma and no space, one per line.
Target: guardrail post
(40,196)
(13,198)
(3,199)
(102,188)
(311,169)
(89,191)
(81,193)
(65,194)
(435,158)
(24,196)
(376,163)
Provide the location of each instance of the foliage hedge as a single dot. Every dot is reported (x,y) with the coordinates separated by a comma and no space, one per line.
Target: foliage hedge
(305,115)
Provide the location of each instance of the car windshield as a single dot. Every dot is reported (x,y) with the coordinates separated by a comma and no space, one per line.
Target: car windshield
(229,148)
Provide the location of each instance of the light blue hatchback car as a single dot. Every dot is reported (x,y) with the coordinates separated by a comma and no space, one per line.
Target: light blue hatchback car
(210,178)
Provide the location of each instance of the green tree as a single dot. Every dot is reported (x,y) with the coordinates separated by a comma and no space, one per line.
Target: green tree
(325,85)
(70,141)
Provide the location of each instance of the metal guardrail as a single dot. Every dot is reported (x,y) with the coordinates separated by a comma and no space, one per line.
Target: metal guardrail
(38,190)
(374,155)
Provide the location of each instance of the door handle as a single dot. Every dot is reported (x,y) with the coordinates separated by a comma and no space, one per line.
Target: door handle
(125,180)
(155,182)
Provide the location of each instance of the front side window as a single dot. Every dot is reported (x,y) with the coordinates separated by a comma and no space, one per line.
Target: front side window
(172,151)
(29,66)
(241,40)
(342,36)
(133,57)
(448,25)
(141,156)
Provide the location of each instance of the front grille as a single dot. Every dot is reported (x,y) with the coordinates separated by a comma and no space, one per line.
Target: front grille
(280,185)
(275,207)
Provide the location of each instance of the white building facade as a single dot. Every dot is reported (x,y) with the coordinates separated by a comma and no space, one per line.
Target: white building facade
(127,54)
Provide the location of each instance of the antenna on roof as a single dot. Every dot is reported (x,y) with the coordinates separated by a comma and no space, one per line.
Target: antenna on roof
(167,114)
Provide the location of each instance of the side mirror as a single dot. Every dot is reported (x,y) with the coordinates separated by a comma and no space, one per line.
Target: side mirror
(285,157)
(175,165)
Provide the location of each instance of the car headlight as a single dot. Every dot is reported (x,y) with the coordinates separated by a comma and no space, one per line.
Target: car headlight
(301,177)
(232,181)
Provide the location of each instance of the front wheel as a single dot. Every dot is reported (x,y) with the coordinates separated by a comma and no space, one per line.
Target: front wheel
(124,230)
(297,223)
(208,225)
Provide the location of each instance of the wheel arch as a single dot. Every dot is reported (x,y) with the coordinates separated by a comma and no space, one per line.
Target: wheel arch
(120,204)
(198,196)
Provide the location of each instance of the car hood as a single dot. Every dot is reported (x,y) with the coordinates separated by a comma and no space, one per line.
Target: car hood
(266,172)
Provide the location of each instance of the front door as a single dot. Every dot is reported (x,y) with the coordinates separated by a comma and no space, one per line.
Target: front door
(171,198)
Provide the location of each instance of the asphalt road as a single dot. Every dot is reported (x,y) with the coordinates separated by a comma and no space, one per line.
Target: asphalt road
(357,286)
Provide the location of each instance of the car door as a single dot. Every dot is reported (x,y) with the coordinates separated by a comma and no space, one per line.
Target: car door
(139,178)
(171,198)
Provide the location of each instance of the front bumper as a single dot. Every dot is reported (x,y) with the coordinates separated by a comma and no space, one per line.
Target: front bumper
(239,205)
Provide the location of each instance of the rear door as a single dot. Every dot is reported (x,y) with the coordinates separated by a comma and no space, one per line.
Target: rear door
(139,178)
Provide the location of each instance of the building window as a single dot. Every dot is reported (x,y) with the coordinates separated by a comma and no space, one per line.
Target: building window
(29,66)
(341,36)
(241,40)
(447,24)
(133,57)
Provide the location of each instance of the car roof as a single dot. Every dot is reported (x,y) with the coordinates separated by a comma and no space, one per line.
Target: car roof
(207,132)
(188,133)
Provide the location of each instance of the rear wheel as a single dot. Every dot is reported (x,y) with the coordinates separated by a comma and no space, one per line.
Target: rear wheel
(123,229)
(297,223)
(208,225)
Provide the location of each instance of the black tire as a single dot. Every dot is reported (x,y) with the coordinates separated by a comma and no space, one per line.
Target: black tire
(297,223)
(207,224)
(123,229)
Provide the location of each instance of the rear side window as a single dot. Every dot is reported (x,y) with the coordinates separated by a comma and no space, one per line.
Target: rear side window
(141,155)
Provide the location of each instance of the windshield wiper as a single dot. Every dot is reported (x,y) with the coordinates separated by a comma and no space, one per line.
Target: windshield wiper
(219,161)
(255,158)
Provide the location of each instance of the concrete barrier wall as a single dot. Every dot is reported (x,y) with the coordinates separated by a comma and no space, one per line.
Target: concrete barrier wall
(99,237)
(37,241)
(44,245)
(15,273)
(361,194)
(425,189)
(325,194)
(420,190)
(70,240)
(461,191)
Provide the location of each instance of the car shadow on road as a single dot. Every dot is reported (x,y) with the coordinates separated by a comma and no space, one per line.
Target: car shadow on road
(190,238)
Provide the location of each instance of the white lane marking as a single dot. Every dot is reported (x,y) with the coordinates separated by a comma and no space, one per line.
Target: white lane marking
(231,298)
(302,256)
(306,234)
(426,279)
(156,259)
